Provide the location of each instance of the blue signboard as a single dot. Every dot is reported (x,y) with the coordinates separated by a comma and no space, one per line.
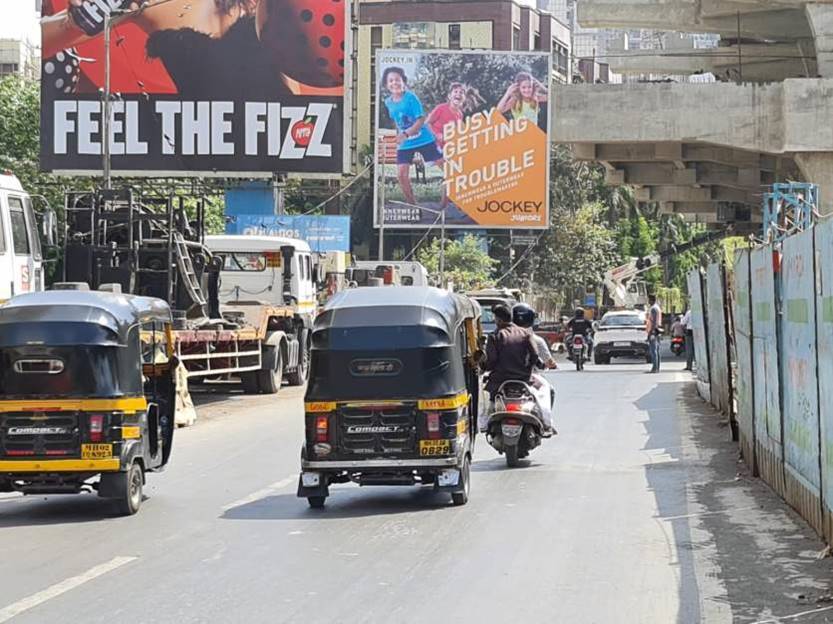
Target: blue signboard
(322,232)
(250,209)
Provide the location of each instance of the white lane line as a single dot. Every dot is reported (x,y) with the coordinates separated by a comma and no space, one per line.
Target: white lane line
(794,616)
(262,493)
(15,609)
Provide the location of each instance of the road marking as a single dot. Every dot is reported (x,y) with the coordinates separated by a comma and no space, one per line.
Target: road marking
(262,493)
(783,618)
(30,602)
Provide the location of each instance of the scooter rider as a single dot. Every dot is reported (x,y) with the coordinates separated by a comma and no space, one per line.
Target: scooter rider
(510,355)
(579,325)
(524,316)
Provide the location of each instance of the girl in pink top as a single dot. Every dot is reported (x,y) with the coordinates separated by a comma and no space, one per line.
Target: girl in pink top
(448,112)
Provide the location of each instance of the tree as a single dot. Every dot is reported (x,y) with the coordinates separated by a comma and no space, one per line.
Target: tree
(466,263)
(576,251)
(20,139)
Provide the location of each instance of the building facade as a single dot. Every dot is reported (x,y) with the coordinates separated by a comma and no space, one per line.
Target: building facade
(19,57)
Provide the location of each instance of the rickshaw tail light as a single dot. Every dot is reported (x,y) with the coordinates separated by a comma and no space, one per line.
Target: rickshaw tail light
(96,427)
(514,407)
(432,421)
(322,428)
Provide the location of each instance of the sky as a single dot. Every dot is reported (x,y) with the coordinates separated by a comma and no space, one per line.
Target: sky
(19,20)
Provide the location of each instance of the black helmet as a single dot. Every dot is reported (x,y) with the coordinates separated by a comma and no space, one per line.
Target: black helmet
(523,315)
(579,313)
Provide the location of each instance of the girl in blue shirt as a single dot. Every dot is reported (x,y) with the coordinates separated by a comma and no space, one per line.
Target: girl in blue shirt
(413,135)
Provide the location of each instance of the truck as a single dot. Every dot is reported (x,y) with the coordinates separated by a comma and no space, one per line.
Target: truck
(408,273)
(155,245)
(622,285)
(21,258)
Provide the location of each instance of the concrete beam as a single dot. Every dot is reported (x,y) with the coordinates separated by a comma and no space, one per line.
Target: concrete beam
(782,23)
(778,118)
(716,194)
(654,174)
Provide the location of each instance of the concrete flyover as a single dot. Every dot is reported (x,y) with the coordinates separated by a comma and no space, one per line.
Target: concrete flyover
(708,150)
(704,144)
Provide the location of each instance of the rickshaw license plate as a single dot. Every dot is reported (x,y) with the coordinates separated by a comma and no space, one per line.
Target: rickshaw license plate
(428,448)
(96,451)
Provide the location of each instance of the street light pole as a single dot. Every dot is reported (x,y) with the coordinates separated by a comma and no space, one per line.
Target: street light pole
(105,122)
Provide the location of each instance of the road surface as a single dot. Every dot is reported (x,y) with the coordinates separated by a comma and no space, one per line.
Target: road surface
(637,512)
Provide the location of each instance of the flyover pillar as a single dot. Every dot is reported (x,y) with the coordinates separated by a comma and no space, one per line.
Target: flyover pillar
(820,17)
(817,168)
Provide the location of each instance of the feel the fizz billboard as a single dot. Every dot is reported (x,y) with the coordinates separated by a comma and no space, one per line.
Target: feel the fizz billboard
(465,134)
(197,86)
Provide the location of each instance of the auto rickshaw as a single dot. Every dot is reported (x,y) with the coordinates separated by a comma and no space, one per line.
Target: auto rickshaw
(87,388)
(394,391)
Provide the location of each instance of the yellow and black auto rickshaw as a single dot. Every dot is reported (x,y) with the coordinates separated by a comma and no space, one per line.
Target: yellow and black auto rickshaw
(87,388)
(394,392)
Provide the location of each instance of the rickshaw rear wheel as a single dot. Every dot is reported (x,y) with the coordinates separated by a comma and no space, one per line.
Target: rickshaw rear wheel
(127,487)
(270,381)
(316,502)
(462,497)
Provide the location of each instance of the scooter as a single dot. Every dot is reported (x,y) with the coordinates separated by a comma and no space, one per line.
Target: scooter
(678,345)
(578,351)
(515,426)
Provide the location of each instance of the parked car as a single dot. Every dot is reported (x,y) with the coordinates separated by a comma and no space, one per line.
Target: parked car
(620,334)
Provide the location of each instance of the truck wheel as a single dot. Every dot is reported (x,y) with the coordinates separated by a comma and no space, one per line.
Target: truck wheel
(269,381)
(127,488)
(250,382)
(299,377)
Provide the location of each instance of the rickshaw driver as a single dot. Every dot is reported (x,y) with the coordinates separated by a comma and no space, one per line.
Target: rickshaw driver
(510,355)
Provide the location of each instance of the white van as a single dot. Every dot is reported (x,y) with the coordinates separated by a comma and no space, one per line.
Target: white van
(253,269)
(410,273)
(21,260)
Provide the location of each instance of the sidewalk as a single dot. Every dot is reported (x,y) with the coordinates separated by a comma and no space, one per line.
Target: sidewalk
(742,554)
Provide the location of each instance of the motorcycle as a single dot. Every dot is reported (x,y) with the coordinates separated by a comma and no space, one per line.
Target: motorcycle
(678,345)
(578,351)
(515,426)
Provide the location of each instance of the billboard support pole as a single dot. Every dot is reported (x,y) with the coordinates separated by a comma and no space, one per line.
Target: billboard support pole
(105,121)
(380,174)
(442,248)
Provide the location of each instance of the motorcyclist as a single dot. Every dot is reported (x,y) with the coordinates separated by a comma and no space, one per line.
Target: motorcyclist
(580,326)
(524,316)
(510,355)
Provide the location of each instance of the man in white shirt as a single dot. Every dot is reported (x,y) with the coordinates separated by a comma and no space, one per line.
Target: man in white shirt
(689,339)
(653,327)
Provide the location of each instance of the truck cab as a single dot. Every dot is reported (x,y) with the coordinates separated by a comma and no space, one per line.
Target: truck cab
(253,269)
(21,260)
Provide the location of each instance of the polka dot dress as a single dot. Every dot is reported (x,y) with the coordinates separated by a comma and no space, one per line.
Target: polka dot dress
(61,73)
(305,38)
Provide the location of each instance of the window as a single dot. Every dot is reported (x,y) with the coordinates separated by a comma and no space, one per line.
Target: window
(516,38)
(622,320)
(537,42)
(248,262)
(308,262)
(454,36)
(20,235)
(34,238)
(375,37)
(2,233)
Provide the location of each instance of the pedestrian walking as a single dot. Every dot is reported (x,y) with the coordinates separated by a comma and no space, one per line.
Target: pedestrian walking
(654,328)
(689,340)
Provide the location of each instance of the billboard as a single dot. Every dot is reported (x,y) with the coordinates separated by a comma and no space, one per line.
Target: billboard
(465,134)
(236,87)
(322,232)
